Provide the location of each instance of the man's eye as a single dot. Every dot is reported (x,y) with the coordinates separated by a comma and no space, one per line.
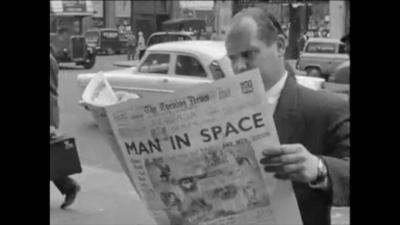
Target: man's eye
(246,54)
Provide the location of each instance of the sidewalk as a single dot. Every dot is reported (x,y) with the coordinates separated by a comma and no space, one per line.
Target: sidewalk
(105,198)
(108,197)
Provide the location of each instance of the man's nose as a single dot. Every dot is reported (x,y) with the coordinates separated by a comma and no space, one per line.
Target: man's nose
(240,65)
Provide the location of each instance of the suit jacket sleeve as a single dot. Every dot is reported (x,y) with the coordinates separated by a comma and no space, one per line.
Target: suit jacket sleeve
(337,157)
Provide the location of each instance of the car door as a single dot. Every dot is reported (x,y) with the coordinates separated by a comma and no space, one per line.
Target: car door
(148,79)
(320,54)
(340,57)
(187,70)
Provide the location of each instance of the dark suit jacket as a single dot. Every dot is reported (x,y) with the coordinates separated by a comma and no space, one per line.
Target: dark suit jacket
(321,122)
(54,110)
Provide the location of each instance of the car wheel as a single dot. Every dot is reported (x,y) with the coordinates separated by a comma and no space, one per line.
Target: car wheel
(89,62)
(313,72)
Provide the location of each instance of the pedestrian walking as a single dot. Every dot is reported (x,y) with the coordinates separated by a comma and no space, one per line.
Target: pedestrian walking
(141,46)
(131,45)
(313,127)
(302,41)
(66,185)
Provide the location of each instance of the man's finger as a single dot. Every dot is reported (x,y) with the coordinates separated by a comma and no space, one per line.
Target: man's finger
(270,161)
(291,158)
(273,151)
(282,176)
(292,168)
(283,159)
(272,168)
(291,148)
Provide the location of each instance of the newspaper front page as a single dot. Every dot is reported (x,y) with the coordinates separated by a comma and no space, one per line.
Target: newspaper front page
(193,156)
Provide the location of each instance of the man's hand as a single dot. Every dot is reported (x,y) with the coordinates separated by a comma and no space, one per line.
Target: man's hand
(292,161)
(53,132)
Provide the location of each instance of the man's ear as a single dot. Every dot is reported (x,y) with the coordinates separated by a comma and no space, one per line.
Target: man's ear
(281,43)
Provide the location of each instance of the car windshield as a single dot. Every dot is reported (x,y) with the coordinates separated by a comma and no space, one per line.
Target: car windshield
(92,36)
(155,63)
(110,34)
(318,47)
(167,38)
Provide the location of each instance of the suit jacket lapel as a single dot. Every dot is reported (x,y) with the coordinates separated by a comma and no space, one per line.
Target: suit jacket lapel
(288,120)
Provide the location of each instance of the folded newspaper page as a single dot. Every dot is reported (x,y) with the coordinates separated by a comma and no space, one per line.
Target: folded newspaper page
(193,156)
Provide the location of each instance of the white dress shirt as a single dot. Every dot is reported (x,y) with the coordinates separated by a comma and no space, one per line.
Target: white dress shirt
(274,92)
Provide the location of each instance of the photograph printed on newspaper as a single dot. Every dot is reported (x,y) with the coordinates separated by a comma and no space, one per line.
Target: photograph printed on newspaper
(193,155)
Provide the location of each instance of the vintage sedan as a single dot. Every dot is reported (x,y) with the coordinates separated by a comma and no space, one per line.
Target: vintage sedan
(321,56)
(168,67)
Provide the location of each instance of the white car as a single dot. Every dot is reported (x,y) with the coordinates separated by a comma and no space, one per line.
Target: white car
(321,56)
(169,67)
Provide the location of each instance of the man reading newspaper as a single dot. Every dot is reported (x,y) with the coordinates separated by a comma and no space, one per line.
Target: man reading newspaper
(313,127)
(207,155)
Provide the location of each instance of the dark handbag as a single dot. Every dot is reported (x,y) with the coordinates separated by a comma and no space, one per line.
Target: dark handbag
(64,158)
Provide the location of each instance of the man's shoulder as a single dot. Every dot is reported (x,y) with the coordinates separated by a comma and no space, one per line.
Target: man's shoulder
(321,102)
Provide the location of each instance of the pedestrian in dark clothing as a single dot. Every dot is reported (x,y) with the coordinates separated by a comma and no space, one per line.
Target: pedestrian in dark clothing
(66,185)
(313,127)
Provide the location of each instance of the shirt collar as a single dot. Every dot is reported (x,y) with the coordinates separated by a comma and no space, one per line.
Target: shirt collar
(274,92)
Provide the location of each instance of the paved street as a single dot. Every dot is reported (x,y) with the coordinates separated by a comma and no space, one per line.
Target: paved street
(107,196)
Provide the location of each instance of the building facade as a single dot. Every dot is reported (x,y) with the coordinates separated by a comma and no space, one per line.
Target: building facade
(134,15)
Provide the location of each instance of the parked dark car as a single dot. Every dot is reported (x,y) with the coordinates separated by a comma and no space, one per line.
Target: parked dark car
(106,41)
(66,46)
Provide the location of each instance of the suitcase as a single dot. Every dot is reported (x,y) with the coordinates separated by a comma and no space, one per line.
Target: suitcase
(64,158)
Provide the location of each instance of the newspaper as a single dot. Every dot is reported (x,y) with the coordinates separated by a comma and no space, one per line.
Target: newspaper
(193,156)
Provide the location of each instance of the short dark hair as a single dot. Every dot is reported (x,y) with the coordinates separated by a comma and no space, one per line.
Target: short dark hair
(268,26)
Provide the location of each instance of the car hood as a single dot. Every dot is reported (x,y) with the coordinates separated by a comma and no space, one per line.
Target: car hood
(129,79)
(83,79)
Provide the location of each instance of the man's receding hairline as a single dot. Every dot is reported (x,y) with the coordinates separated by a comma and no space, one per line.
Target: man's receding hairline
(244,22)
(258,15)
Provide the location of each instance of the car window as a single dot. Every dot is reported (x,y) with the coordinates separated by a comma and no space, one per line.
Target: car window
(315,47)
(181,38)
(92,36)
(155,40)
(155,63)
(167,38)
(342,49)
(110,34)
(216,70)
(189,66)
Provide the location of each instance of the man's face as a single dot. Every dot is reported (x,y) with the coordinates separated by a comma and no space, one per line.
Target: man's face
(247,52)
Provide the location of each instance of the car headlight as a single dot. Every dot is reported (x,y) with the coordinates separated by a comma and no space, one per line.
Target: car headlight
(90,50)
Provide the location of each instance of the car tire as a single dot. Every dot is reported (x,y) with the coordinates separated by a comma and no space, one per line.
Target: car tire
(313,72)
(89,63)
